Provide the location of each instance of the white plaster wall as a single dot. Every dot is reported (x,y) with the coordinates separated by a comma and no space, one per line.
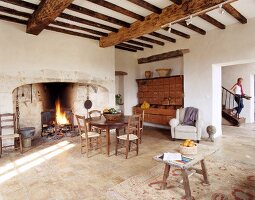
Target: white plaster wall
(202,85)
(127,62)
(230,74)
(51,57)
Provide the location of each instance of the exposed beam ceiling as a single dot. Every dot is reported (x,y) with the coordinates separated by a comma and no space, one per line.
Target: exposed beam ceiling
(131,46)
(146,5)
(97,15)
(161,36)
(154,21)
(151,40)
(232,11)
(125,49)
(193,28)
(176,32)
(140,43)
(163,56)
(118,9)
(212,21)
(47,12)
(178,2)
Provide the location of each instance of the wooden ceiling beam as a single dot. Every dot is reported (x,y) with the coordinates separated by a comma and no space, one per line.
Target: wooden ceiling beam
(131,46)
(147,39)
(146,5)
(60,30)
(154,22)
(237,15)
(71,26)
(212,21)
(163,37)
(125,49)
(47,12)
(13,19)
(176,32)
(163,56)
(14,12)
(118,9)
(193,28)
(139,44)
(32,6)
(178,2)
(97,15)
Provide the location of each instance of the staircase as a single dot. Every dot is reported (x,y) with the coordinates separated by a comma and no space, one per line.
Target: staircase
(228,103)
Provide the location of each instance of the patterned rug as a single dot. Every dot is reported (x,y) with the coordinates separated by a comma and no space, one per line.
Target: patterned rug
(229,181)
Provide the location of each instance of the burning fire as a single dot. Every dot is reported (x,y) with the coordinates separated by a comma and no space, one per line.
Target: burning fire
(60,116)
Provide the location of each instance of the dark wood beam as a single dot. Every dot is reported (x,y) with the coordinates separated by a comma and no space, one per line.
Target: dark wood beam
(125,49)
(176,32)
(232,11)
(87,22)
(140,44)
(147,6)
(71,26)
(146,39)
(154,22)
(118,9)
(60,30)
(178,2)
(97,15)
(120,73)
(163,37)
(193,28)
(163,56)
(131,46)
(32,6)
(14,12)
(13,19)
(212,21)
(47,12)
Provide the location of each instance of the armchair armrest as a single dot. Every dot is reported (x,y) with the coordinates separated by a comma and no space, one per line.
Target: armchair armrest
(174,122)
(199,125)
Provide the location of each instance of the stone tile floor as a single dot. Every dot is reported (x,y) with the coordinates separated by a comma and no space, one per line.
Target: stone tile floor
(57,170)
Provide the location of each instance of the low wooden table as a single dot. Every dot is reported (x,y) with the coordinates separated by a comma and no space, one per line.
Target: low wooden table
(107,126)
(203,152)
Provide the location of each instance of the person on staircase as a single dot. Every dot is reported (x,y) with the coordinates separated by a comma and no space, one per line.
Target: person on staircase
(239,94)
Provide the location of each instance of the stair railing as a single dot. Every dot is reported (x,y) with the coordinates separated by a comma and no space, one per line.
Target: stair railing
(228,99)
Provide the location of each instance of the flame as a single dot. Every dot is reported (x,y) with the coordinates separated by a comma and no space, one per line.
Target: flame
(60,116)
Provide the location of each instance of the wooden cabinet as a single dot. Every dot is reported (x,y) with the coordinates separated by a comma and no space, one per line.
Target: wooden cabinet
(157,91)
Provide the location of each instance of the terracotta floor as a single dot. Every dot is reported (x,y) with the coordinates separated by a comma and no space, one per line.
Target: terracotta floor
(57,170)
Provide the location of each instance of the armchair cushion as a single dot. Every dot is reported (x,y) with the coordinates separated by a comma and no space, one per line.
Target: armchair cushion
(187,129)
(181,114)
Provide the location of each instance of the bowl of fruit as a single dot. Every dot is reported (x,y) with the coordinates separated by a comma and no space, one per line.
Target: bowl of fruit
(111,114)
(188,147)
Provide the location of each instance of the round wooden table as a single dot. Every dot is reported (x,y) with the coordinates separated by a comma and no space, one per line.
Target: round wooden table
(107,126)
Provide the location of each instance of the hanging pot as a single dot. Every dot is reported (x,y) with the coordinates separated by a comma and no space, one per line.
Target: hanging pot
(88,102)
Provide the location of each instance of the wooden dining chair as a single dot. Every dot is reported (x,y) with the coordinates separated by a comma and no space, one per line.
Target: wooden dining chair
(141,126)
(89,139)
(132,134)
(8,122)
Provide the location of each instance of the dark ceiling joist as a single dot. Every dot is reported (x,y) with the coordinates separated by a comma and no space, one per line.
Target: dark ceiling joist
(232,11)
(71,26)
(118,9)
(146,39)
(193,28)
(125,49)
(163,56)
(32,6)
(97,15)
(176,32)
(154,22)
(139,44)
(14,12)
(47,12)
(163,37)
(60,30)
(212,21)
(13,19)
(146,5)
(120,73)
(178,2)
(131,46)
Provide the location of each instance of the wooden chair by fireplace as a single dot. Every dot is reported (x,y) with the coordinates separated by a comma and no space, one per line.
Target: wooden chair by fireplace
(132,135)
(8,122)
(89,139)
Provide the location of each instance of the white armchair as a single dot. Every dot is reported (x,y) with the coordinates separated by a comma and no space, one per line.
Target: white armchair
(179,131)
